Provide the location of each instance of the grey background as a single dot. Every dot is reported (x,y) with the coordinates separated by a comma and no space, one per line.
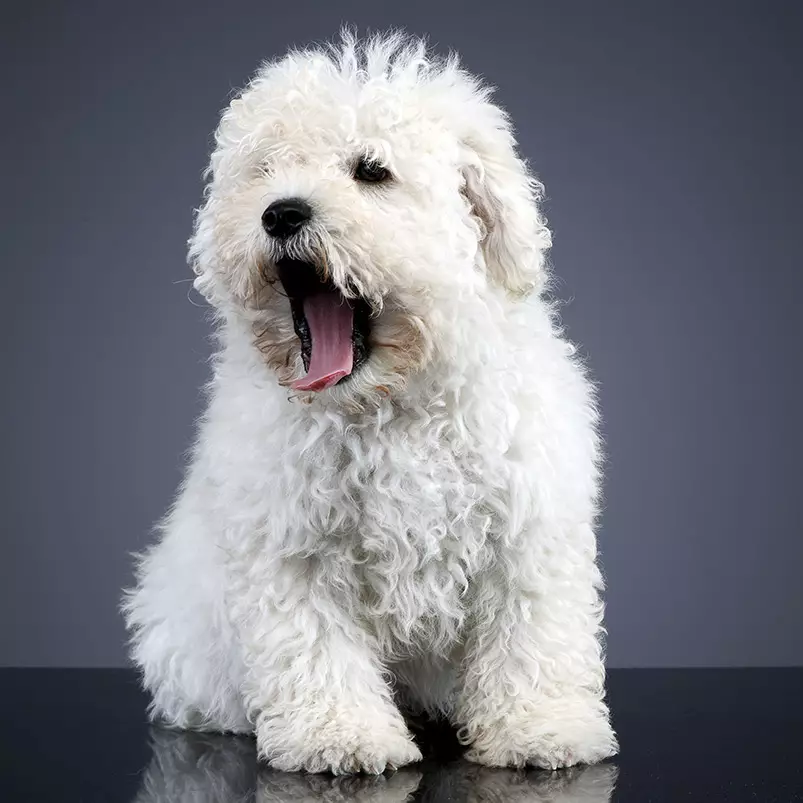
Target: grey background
(670,138)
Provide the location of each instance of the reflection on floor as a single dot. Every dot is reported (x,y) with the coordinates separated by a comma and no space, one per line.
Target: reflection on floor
(687,736)
(205,768)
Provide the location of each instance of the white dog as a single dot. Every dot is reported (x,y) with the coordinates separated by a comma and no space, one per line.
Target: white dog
(392,498)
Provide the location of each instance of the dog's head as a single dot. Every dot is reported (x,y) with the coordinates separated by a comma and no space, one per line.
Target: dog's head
(358,196)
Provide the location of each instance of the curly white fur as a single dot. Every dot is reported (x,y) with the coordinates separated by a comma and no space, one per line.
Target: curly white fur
(422,534)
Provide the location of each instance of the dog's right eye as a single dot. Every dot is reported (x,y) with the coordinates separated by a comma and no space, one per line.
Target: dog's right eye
(371,172)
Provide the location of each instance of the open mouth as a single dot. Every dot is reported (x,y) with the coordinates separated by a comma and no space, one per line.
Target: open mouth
(333,330)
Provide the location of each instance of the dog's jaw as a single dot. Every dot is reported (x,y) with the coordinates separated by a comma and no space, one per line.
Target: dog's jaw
(333,330)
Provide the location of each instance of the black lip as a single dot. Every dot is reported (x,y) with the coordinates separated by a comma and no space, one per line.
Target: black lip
(302,279)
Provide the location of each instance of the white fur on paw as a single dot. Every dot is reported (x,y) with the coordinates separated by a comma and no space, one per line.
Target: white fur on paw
(543,742)
(340,746)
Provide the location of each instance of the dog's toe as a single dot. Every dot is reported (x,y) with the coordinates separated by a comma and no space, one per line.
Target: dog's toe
(343,747)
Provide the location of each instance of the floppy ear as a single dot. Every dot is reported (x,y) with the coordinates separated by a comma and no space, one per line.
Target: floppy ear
(505,197)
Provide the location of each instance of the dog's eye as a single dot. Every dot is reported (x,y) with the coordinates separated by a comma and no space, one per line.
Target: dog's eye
(371,172)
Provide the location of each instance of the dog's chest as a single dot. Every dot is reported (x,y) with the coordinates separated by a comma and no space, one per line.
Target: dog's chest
(422,529)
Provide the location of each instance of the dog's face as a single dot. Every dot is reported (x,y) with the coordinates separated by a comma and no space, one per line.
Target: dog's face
(357,198)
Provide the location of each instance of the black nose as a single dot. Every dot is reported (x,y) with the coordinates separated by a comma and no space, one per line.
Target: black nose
(284,218)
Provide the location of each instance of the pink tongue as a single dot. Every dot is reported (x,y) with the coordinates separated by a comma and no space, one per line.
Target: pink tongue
(331,323)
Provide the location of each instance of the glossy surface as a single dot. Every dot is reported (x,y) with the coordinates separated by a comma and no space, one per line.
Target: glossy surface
(687,735)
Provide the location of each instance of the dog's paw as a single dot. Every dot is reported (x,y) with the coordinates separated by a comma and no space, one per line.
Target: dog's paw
(340,745)
(546,742)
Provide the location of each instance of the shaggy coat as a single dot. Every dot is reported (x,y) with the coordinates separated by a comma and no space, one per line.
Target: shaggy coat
(419,535)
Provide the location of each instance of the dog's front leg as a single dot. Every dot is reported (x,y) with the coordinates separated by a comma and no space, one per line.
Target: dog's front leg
(314,685)
(533,679)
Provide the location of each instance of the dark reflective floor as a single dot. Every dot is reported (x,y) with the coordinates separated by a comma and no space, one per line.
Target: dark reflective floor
(687,735)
